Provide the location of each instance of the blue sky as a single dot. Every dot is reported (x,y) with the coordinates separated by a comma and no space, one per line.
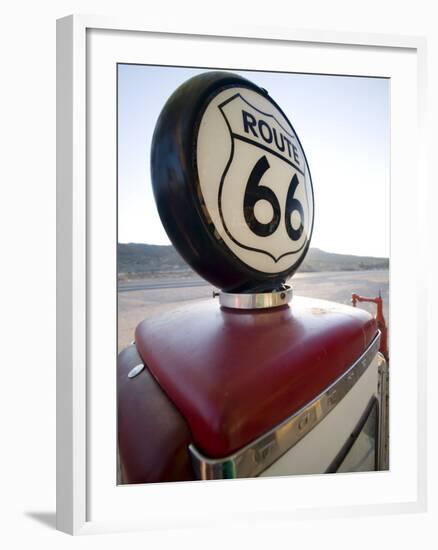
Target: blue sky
(343,125)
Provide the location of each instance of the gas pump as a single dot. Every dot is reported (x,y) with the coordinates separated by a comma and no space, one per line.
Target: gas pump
(254,381)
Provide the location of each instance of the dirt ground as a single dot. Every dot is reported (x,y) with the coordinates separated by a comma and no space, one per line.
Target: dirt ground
(138,300)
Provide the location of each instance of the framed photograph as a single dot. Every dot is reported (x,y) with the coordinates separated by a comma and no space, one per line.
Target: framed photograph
(224,200)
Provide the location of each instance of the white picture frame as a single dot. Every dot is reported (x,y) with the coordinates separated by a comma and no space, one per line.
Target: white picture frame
(87,502)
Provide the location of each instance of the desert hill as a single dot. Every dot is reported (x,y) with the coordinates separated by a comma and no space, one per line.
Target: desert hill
(136,259)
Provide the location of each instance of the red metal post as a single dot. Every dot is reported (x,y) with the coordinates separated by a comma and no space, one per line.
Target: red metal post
(381,323)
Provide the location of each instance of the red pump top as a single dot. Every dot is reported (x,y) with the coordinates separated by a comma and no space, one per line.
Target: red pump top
(235,374)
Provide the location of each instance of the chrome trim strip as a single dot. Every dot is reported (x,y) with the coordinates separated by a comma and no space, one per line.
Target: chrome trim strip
(256,301)
(258,455)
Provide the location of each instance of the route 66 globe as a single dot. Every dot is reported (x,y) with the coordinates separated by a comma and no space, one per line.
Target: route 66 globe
(232,184)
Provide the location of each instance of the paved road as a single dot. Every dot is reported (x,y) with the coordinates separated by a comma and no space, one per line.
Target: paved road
(129,286)
(143,298)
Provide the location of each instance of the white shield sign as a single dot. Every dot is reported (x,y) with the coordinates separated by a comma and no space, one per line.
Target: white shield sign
(261,203)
